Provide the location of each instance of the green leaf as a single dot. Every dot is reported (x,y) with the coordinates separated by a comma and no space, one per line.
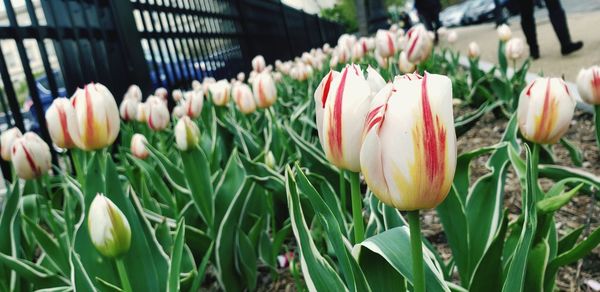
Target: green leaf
(452,216)
(10,230)
(318,273)
(574,152)
(35,274)
(246,259)
(515,277)
(50,246)
(536,266)
(197,173)
(200,272)
(175,263)
(551,204)
(490,266)
(569,240)
(394,247)
(230,181)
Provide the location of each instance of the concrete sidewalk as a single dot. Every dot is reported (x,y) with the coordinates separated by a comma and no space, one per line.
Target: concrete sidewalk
(584,26)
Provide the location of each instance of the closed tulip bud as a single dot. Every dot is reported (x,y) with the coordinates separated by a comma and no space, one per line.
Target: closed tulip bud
(141,114)
(242,76)
(442,31)
(473,51)
(504,32)
(384,43)
(62,123)
(97,116)
(128,109)
(220,92)
(334,61)
(162,93)
(343,54)
(177,95)
(545,110)
(194,100)
(158,115)
(394,28)
(207,82)
(413,114)
(452,37)
(30,156)
(7,138)
(327,48)
(258,63)
(381,61)
(264,90)
(514,49)
(109,229)
(138,146)
(277,76)
(187,134)
(270,160)
(418,45)
(376,82)
(357,52)
(196,85)
(342,101)
(404,65)
(244,100)
(178,111)
(588,84)
(133,92)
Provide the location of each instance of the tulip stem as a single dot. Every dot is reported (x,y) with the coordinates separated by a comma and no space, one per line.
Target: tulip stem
(359,228)
(417,251)
(597,124)
(535,159)
(123,275)
(343,191)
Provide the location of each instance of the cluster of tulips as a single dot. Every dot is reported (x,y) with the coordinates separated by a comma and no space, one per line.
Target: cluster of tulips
(224,177)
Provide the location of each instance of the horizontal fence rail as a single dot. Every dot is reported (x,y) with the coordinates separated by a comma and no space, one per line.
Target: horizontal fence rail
(49,48)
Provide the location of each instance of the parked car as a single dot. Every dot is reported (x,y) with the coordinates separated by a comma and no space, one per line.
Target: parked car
(453,15)
(478,11)
(45,94)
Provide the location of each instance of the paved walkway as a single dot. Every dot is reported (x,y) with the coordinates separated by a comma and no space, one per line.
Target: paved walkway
(584,23)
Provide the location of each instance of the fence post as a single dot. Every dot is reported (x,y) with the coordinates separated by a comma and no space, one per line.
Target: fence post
(131,44)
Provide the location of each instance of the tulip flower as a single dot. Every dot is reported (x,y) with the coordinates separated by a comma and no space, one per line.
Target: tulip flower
(404,65)
(258,63)
(177,95)
(187,134)
(588,85)
(196,85)
(162,93)
(413,114)
(158,114)
(408,155)
(109,229)
(442,31)
(473,51)
(244,100)
(62,123)
(178,111)
(193,103)
(97,116)
(504,32)
(264,90)
(376,82)
(141,114)
(206,83)
(30,156)
(381,61)
(138,146)
(242,76)
(133,92)
(128,109)
(545,110)
(514,49)
(452,37)
(270,160)
(7,138)
(357,52)
(220,92)
(384,43)
(419,44)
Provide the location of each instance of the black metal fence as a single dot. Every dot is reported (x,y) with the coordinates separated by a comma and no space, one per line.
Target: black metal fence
(48,48)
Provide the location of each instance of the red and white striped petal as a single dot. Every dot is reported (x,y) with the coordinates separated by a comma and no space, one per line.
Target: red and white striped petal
(418,45)
(30,156)
(62,123)
(97,116)
(138,146)
(320,97)
(588,85)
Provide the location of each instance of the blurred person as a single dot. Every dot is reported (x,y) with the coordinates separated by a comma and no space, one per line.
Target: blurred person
(559,23)
(498,16)
(429,13)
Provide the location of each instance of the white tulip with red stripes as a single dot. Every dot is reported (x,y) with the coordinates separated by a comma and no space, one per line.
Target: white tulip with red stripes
(158,114)
(7,138)
(405,65)
(30,156)
(133,92)
(97,116)
(138,146)
(385,44)
(408,154)
(220,92)
(473,51)
(264,89)
(243,98)
(62,123)
(545,110)
(193,102)
(418,44)
(128,109)
(258,63)
(588,85)
(342,101)
(187,134)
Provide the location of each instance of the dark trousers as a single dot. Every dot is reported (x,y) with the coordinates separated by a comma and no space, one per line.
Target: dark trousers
(431,20)
(557,18)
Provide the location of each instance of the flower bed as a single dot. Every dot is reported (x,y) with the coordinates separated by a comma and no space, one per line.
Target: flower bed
(380,164)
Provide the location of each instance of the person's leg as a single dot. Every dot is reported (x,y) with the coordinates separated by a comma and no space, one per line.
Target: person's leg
(559,23)
(528,25)
(499,18)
